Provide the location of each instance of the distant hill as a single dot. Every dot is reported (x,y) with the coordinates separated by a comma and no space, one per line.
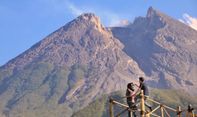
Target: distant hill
(83,60)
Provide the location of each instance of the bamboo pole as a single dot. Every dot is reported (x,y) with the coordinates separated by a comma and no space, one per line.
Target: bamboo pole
(179,111)
(193,115)
(131,114)
(120,104)
(155,109)
(163,105)
(155,115)
(190,112)
(148,115)
(162,112)
(111,113)
(118,115)
(166,112)
(142,105)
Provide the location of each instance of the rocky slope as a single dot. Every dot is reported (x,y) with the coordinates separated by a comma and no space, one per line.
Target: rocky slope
(65,71)
(164,48)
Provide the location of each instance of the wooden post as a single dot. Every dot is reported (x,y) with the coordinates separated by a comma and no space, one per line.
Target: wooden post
(129,111)
(178,111)
(131,114)
(193,114)
(148,115)
(142,106)
(162,112)
(190,112)
(118,115)
(111,113)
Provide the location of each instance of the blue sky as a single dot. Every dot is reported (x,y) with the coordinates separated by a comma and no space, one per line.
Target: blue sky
(25,22)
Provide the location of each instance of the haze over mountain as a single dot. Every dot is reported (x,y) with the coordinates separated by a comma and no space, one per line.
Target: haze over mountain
(84,60)
(164,48)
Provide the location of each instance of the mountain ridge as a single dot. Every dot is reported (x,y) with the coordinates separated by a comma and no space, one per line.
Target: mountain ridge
(163,47)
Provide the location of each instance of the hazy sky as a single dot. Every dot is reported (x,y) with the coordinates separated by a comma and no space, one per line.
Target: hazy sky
(25,22)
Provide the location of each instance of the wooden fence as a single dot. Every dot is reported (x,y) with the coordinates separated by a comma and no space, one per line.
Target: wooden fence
(164,110)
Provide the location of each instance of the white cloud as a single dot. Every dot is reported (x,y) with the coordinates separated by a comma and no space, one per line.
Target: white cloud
(110,19)
(122,22)
(190,21)
(114,19)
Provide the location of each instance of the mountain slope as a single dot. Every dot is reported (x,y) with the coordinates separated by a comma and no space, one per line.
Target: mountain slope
(65,71)
(164,48)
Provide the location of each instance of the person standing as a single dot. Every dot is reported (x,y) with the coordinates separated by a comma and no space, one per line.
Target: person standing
(144,87)
(130,95)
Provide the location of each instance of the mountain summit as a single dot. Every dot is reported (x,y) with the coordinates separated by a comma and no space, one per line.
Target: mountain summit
(66,70)
(83,60)
(151,12)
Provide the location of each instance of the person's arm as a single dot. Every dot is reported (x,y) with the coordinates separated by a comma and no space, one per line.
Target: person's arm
(131,92)
(137,85)
(139,88)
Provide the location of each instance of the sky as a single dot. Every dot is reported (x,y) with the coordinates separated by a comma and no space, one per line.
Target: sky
(25,22)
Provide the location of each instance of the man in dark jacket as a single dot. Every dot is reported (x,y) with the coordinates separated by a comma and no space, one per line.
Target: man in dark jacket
(144,87)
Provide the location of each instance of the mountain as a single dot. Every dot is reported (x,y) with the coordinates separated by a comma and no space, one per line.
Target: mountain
(65,71)
(164,48)
(83,60)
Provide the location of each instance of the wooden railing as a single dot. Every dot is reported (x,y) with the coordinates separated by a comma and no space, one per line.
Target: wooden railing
(163,109)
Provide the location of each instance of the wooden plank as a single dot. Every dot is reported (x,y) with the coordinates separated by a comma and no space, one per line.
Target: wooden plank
(160,104)
(142,105)
(170,108)
(166,112)
(178,111)
(118,115)
(123,105)
(111,113)
(162,112)
(154,109)
(155,115)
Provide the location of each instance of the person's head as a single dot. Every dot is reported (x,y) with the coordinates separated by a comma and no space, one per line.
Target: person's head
(141,79)
(130,86)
